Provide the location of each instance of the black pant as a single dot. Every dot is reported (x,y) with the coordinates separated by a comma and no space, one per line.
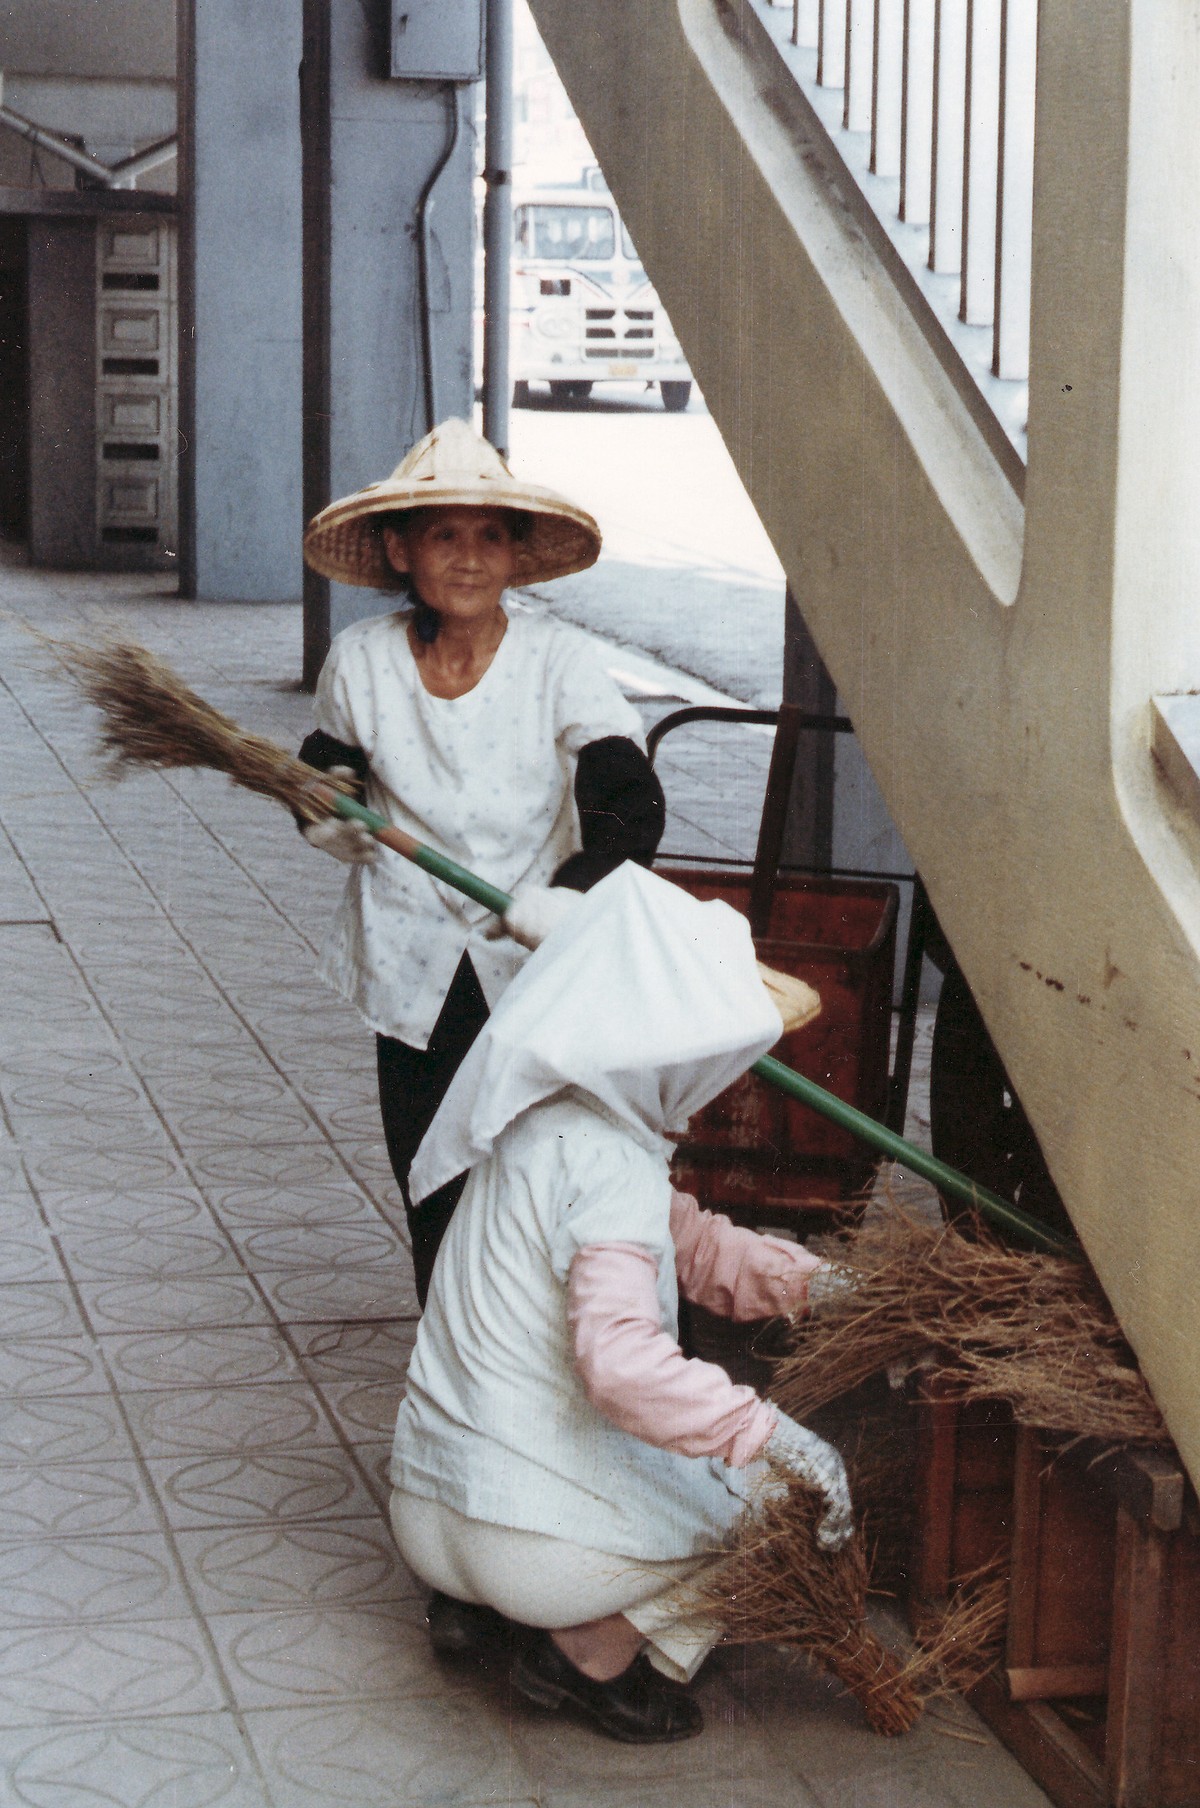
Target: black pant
(412,1084)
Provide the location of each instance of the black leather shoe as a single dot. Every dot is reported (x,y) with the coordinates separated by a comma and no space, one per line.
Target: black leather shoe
(639,1706)
(463,1633)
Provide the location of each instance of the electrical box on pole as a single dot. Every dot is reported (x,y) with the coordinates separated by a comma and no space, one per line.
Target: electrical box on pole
(437,40)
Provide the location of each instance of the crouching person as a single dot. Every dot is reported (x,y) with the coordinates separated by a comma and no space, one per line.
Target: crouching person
(561,1470)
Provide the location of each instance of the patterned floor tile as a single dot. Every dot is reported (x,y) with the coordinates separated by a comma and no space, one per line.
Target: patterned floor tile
(80,1094)
(341,1352)
(320,1486)
(293,1659)
(375,1460)
(55,1582)
(168,1304)
(294,1566)
(228,1357)
(409,1754)
(69,1430)
(225,1421)
(41,1309)
(27,1255)
(327,1247)
(86,1208)
(372,1293)
(197,1761)
(267,1205)
(106,1672)
(74,1169)
(237,1122)
(365,1410)
(111,1254)
(69,1500)
(33,1367)
(276,1166)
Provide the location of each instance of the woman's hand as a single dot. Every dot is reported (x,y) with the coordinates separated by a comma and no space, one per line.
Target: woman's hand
(345,840)
(348,841)
(536,910)
(801,1452)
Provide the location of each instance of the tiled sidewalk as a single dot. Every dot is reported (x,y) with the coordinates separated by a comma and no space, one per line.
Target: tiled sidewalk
(205,1311)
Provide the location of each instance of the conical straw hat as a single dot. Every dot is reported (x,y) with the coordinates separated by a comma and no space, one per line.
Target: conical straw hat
(451,466)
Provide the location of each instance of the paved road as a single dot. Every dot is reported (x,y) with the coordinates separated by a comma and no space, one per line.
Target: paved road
(688,574)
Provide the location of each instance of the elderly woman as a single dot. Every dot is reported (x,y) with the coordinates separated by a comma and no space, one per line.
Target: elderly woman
(487,731)
(558,1462)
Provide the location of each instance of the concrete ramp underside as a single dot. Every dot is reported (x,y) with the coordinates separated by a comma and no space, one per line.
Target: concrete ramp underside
(997,658)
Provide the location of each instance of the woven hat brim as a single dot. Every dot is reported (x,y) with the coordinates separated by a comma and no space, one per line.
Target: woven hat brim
(343,542)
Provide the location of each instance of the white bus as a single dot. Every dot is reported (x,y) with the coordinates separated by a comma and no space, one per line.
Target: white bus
(583,311)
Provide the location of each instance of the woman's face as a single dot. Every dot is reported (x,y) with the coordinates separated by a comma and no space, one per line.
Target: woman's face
(460,559)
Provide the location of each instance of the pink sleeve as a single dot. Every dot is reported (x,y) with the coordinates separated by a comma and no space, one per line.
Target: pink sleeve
(636,1374)
(733,1272)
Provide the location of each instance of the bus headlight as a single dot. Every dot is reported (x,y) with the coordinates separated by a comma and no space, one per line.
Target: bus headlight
(554,324)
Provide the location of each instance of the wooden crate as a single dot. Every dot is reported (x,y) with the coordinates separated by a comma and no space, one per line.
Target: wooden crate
(1098,1691)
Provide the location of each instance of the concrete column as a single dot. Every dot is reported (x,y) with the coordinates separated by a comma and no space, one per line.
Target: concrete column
(240,314)
(62,392)
(372,144)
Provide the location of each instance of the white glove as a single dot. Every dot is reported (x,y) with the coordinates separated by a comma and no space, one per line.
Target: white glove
(345,840)
(801,1452)
(337,835)
(828,1285)
(536,910)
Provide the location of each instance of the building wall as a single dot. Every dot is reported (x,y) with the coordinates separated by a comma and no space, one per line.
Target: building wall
(372,146)
(240,301)
(62,391)
(997,661)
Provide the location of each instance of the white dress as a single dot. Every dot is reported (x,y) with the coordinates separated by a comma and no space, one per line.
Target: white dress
(495,1422)
(487,778)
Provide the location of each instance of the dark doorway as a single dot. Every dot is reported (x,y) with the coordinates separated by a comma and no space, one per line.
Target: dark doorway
(14,379)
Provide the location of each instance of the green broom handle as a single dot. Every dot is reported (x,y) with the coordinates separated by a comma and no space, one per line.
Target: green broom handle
(847,1117)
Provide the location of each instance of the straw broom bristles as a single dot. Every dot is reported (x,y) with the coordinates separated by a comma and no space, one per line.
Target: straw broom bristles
(152,718)
(988,1323)
(778,1586)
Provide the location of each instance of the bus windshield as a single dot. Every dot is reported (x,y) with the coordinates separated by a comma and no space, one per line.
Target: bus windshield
(564,232)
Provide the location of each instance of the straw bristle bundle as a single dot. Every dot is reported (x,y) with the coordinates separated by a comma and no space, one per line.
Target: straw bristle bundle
(958,1644)
(152,718)
(987,1322)
(778,1586)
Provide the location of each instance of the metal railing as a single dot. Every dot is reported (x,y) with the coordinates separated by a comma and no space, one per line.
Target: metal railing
(929,105)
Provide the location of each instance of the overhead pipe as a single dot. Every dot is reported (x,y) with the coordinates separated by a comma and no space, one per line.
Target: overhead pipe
(112,175)
(497,224)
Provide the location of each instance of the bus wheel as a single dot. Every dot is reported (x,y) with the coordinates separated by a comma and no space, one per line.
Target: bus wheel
(573,390)
(676,396)
(520,393)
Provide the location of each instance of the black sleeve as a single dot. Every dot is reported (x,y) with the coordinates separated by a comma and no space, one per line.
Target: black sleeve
(322,751)
(622,811)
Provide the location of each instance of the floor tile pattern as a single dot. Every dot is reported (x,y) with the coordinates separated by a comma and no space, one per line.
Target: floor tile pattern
(206,1310)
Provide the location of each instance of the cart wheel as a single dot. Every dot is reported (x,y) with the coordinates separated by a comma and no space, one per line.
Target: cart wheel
(977,1122)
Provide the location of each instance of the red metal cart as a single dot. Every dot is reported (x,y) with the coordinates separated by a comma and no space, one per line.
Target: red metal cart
(752,1153)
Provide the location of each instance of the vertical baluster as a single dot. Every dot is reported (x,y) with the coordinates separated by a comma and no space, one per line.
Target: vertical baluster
(916,130)
(831,50)
(1014,232)
(860,64)
(980,163)
(949,126)
(886,101)
(806,23)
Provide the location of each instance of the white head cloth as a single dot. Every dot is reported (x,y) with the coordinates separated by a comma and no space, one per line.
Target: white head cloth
(644,1000)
